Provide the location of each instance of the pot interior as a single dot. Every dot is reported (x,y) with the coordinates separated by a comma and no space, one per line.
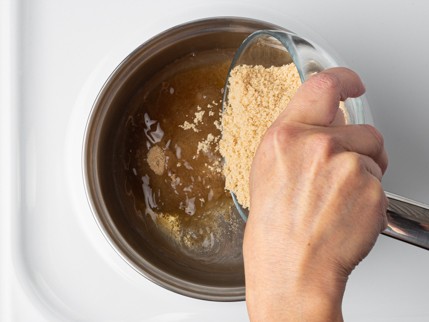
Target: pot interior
(118,199)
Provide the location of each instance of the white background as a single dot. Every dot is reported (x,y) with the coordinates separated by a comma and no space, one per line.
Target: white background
(55,55)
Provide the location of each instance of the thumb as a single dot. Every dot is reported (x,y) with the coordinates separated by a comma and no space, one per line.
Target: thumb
(316,101)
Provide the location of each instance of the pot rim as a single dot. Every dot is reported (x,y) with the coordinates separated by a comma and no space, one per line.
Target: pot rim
(90,147)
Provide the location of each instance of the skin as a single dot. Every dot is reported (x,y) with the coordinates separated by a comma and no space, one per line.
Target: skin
(317,204)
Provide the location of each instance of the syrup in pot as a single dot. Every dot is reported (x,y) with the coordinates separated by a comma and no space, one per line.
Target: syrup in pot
(172,161)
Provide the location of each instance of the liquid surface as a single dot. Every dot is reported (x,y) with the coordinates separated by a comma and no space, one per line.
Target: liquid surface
(182,209)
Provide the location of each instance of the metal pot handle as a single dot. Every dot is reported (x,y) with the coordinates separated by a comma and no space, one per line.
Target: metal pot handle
(408,220)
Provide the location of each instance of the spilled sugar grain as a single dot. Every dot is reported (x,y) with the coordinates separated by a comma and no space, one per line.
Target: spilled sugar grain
(156,160)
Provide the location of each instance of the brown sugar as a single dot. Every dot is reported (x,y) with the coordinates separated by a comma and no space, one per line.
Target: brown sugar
(187,126)
(156,159)
(199,117)
(257,96)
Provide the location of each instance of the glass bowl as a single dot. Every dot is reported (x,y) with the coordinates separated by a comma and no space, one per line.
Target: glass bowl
(277,48)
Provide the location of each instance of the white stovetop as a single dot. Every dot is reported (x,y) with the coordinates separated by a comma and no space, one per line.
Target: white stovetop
(55,264)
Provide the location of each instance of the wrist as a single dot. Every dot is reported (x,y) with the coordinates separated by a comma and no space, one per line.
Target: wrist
(294,304)
(288,284)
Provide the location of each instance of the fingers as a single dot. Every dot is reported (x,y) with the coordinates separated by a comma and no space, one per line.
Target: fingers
(363,139)
(380,202)
(363,174)
(372,167)
(375,195)
(316,101)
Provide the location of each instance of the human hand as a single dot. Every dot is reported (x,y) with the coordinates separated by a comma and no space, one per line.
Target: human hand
(316,204)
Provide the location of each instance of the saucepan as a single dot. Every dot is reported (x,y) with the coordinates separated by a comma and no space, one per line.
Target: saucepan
(111,205)
(127,227)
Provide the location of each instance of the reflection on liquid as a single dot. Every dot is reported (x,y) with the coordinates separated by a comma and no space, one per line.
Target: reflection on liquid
(149,199)
(153,136)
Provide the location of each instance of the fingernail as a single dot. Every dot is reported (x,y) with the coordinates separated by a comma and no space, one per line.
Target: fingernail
(364,86)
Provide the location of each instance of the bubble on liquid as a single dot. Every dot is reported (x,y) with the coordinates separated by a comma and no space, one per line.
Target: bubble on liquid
(190,206)
(153,136)
(148,121)
(178,151)
(208,243)
(175,181)
(158,134)
(188,166)
(168,144)
(171,90)
(149,199)
(188,188)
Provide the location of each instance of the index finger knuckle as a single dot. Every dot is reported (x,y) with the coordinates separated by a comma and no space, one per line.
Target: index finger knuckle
(324,82)
(322,144)
(279,135)
(375,133)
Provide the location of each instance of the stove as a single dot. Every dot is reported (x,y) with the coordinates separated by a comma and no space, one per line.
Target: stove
(55,57)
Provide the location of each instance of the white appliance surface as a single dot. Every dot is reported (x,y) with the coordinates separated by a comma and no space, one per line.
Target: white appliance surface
(55,56)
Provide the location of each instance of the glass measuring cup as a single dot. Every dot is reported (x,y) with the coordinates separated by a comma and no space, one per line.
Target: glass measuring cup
(408,220)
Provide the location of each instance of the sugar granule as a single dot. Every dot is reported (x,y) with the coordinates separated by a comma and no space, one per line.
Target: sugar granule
(156,159)
(199,117)
(218,125)
(204,145)
(187,126)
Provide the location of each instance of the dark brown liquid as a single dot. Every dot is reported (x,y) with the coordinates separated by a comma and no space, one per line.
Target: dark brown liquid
(186,209)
